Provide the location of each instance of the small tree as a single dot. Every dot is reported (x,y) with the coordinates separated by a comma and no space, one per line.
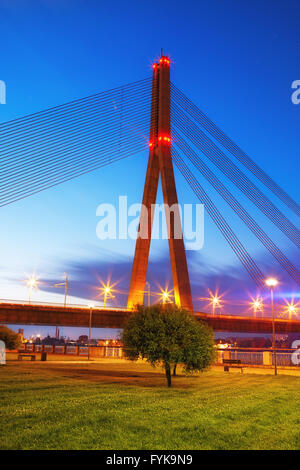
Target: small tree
(11,339)
(168,335)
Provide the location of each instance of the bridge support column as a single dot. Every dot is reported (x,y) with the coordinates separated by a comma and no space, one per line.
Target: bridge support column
(160,161)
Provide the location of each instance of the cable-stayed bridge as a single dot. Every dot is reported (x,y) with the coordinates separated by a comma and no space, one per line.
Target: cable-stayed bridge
(47,148)
(79,316)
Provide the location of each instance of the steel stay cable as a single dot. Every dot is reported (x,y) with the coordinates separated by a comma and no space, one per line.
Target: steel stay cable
(227,232)
(61,175)
(79,137)
(63,181)
(113,116)
(237,207)
(238,178)
(64,105)
(62,161)
(233,148)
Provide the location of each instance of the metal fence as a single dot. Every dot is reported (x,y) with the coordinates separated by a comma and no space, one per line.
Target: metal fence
(263,357)
(95,351)
(248,357)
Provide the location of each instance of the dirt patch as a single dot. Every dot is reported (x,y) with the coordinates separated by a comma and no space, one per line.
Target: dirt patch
(107,374)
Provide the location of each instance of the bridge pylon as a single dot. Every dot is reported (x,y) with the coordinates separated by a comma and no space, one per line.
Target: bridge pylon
(160,163)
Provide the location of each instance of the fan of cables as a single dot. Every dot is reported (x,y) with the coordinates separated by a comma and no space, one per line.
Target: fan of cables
(50,147)
(190,138)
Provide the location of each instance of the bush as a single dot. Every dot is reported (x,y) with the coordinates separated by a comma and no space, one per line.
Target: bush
(11,339)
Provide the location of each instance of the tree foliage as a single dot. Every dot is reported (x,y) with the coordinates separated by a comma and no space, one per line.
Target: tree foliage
(168,336)
(11,339)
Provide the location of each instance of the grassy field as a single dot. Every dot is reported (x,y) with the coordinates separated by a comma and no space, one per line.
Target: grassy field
(119,405)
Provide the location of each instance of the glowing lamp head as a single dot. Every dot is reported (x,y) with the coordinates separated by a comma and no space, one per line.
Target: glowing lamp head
(215,300)
(256,304)
(165,296)
(292,308)
(271,282)
(107,290)
(32,282)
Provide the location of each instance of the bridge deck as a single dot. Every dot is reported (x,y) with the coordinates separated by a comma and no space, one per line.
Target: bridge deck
(76,316)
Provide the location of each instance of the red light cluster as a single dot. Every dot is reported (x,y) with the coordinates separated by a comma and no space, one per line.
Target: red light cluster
(164,139)
(164,60)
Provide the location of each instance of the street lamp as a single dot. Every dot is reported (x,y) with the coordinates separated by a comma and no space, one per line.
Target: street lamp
(292,310)
(147,284)
(165,296)
(272,282)
(31,283)
(91,306)
(215,301)
(257,305)
(106,292)
(65,284)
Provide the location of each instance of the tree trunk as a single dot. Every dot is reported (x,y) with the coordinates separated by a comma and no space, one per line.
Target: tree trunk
(174,370)
(168,373)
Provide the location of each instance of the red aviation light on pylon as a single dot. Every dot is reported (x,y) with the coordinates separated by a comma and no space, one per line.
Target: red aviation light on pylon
(164,139)
(164,61)
(151,144)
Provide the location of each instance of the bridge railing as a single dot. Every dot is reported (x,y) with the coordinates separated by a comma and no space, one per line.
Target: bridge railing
(62,305)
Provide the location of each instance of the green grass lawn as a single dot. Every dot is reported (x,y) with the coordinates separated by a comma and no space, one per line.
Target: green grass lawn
(119,405)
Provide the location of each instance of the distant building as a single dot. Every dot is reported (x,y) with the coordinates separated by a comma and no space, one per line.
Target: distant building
(83,339)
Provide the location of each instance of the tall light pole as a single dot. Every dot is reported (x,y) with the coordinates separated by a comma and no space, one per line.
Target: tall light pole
(272,282)
(214,303)
(257,305)
(91,306)
(66,289)
(65,284)
(147,284)
(292,310)
(32,282)
(106,291)
(165,296)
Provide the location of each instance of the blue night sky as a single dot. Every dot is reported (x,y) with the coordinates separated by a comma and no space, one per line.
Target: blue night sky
(235,59)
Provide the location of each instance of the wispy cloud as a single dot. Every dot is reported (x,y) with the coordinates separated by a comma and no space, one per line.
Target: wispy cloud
(87,273)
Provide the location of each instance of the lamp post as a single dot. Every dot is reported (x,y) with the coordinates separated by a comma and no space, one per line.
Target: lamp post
(66,289)
(292,310)
(148,292)
(91,306)
(32,282)
(165,297)
(272,282)
(106,293)
(257,305)
(214,302)
(65,284)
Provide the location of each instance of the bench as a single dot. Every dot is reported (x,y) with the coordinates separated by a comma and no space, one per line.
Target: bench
(233,363)
(32,356)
